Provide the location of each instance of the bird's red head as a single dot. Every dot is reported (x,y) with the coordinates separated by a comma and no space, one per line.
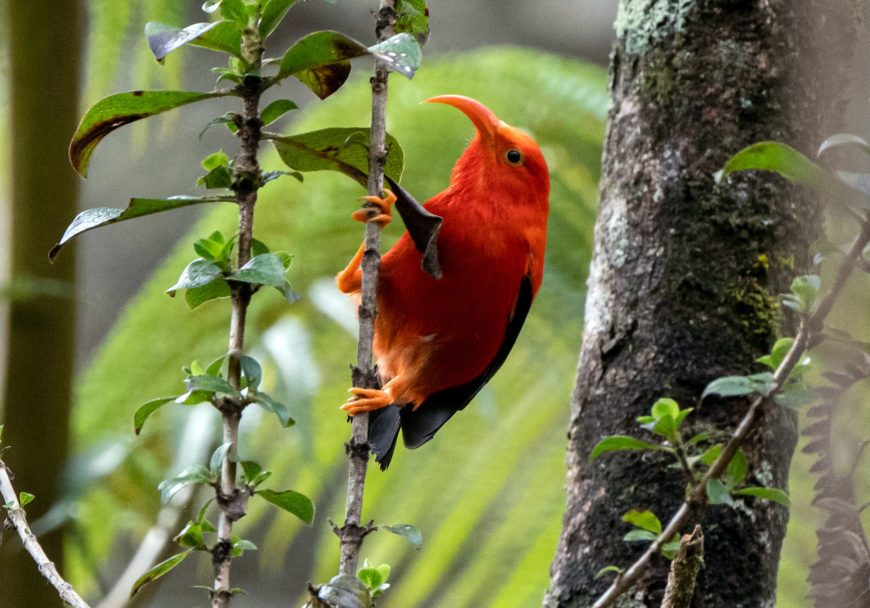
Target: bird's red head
(503,157)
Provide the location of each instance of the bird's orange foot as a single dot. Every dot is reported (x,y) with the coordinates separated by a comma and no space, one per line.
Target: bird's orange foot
(386,212)
(366,400)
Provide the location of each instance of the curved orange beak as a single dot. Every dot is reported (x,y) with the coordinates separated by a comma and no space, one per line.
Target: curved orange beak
(484,120)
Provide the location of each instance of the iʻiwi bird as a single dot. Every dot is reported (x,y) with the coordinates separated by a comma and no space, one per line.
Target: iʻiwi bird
(438,341)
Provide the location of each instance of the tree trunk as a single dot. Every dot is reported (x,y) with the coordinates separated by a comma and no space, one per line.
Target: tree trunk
(44,46)
(685,274)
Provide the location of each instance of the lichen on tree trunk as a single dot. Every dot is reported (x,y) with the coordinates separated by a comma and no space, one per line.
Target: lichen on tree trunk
(685,274)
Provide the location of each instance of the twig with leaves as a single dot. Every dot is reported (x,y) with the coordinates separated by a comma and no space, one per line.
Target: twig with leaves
(785,357)
(18,520)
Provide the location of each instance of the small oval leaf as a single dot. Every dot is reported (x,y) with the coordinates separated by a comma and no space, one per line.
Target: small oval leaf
(620,442)
(146,409)
(159,570)
(408,532)
(293,502)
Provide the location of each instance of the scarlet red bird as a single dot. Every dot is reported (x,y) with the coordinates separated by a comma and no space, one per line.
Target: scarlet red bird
(437,342)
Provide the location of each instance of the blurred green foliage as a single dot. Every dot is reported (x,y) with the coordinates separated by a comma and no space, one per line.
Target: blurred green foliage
(487,494)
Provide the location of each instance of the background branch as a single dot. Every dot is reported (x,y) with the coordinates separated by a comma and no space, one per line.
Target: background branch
(19,522)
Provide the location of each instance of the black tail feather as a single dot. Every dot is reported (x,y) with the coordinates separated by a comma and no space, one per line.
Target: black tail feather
(383,433)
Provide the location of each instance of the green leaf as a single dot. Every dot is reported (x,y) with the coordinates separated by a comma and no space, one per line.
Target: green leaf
(234,10)
(406,531)
(159,570)
(198,296)
(291,501)
(121,109)
(258,247)
(719,493)
(250,470)
(191,536)
(777,353)
(337,149)
(644,519)
(252,371)
(682,415)
(213,161)
(211,384)
(223,36)
(773,494)
(25,498)
(732,386)
(217,457)
(317,51)
(265,269)
(669,550)
(220,177)
(620,442)
(795,167)
(736,471)
(373,578)
(242,545)
(138,207)
(146,409)
(345,591)
(273,13)
(639,535)
(400,52)
(227,119)
(270,405)
(711,454)
(665,407)
(1,433)
(607,569)
(276,110)
(194,474)
(196,274)
(698,438)
(804,293)
(844,139)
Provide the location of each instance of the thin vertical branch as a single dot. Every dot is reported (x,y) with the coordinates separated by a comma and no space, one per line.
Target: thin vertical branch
(352,533)
(46,566)
(232,501)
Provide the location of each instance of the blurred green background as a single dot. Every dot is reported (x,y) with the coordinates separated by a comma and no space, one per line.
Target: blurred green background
(487,494)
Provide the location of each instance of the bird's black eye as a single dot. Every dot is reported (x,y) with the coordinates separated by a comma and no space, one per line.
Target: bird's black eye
(514,157)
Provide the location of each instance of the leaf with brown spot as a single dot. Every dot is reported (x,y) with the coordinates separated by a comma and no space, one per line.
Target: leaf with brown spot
(338,149)
(121,109)
(326,80)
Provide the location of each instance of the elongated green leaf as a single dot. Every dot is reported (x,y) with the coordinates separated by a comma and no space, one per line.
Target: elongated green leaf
(291,501)
(408,532)
(264,269)
(639,535)
(270,405)
(644,519)
(146,409)
(121,109)
(193,474)
(159,570)
(217,457)
(795,167)
(338,149)
(223,36)
(138,207)
(774,494)
(252,371)
(211,384)
(273,14)
(276,110)
(620,442)
(197,296)
(196,274)
(737,469)
(719,493)
(733,386)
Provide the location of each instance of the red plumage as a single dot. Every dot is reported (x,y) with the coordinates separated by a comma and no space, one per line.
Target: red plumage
(438,341)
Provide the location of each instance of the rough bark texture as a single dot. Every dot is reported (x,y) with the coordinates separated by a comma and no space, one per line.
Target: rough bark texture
(44,50)
(685,273)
